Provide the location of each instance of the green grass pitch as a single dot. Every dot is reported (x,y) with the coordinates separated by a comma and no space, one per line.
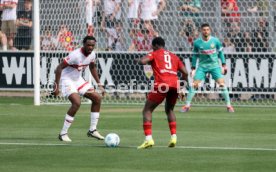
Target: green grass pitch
(209,140)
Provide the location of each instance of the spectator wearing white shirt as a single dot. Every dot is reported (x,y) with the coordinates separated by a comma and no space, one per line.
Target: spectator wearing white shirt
(111,14)
(150,9)
(133,16)
(9,20)
(90,11)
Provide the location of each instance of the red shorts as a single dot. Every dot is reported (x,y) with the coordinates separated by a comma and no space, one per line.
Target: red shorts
(158,96)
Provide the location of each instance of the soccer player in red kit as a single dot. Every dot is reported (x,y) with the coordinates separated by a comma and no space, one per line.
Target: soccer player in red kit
(165,66)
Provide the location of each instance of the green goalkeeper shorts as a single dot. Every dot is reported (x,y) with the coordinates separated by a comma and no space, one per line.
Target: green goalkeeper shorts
(201,73)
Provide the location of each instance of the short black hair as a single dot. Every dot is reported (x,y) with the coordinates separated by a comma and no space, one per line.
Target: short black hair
(158,41)
(88,38)
(205,25)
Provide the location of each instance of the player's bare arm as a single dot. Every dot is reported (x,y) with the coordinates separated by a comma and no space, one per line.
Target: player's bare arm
(143,61)
(58,71)
(94,73)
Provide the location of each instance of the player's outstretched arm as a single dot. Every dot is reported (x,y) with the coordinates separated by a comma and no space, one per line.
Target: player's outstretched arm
(143,61)
(58,71)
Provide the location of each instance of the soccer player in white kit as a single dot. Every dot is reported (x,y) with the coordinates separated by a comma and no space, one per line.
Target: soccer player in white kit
(69,74)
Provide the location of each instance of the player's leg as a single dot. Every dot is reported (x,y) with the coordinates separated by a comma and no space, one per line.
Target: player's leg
(147,124)
(69,90)
(198,78)
(218,77)
(169,106)
(95,113)
(69,117)
(153,100)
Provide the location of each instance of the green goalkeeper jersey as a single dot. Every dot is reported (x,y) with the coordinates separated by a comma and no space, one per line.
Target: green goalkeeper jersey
(208,53)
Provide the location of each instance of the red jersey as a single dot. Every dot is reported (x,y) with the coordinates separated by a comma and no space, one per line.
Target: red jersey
(165,66)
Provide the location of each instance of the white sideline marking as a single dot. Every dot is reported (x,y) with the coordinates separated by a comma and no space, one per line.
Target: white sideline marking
(177,147)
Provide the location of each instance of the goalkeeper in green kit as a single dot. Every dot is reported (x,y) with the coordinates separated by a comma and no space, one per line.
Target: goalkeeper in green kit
(208,50)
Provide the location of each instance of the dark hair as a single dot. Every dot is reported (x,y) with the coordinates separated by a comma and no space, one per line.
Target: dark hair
(158,41)
(89,38)
(205,25)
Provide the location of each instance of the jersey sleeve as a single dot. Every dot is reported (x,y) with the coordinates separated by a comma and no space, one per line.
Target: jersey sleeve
(93,58)
(150,56)
(219,45)
(220,51)
(70,59)
(195,55)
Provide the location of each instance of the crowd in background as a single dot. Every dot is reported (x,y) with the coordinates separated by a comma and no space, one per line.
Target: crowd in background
(143,24)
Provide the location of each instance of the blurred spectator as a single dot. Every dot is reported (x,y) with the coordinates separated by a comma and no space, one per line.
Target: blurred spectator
(133,10)
(116,40)
(65,38)
(3,39)
(142,41)
(246,42)
(48,42)
(228,46)
(230,11)
(133,15)
(9,20)
(24,25)
(91,6)
(260,6)
(111,13)
(150,9)
(235,35)
(260,36)
(189,32)
(192,7)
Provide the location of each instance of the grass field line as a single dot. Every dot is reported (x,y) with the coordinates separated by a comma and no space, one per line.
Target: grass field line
(177,147)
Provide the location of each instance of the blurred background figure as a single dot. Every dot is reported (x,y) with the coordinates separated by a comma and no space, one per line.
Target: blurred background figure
(90,11)
(48,42)
(65,38)
(9,17)
(24,25)
(150,10)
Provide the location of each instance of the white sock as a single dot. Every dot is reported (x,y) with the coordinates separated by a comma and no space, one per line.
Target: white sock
(67,123)
(173,136)
(148,137)
(94,120)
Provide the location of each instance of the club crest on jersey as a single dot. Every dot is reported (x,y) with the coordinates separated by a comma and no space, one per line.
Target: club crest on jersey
(212,45)
(148,71)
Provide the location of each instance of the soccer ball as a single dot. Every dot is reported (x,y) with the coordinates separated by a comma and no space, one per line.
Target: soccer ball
(112,140)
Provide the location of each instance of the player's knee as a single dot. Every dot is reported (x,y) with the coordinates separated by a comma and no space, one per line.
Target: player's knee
(97,99)
(76,105)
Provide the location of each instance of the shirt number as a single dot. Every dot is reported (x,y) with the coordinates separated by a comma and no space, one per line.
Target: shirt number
(167,59)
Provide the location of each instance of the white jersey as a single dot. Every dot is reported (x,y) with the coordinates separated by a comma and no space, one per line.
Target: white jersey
(109,7)
(77,62)
(10,13)
(148,8)
(133,9)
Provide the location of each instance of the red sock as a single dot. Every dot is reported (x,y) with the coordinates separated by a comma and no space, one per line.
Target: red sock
(147,128)
(172,126)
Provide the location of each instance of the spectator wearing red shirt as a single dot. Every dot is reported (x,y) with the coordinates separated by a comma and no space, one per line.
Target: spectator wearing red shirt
(230,11)
(65,38)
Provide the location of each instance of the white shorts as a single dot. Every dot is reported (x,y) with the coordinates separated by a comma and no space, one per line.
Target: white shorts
(71,86)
